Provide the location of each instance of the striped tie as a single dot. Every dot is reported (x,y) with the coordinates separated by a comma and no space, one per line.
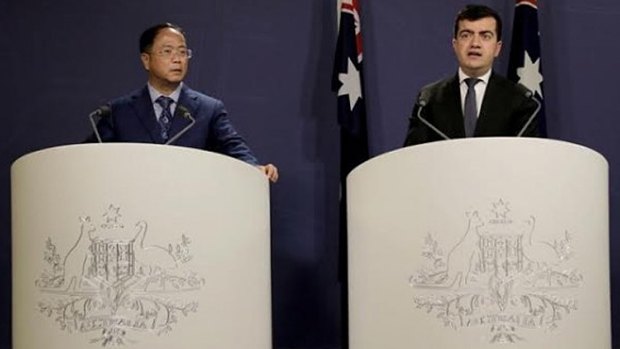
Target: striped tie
(166,116)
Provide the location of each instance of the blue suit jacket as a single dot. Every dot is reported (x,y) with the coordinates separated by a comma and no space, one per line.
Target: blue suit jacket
(132,119)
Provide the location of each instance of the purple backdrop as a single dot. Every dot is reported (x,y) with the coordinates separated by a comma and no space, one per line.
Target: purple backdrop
(270,61)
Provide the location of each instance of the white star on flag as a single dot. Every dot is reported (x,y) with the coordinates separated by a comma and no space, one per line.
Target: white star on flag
(351,84)
(529,74)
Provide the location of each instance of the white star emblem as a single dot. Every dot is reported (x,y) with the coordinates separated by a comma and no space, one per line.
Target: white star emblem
(529,74)
(351,84)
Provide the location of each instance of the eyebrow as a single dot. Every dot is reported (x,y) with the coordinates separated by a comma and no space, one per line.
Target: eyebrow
(469,31)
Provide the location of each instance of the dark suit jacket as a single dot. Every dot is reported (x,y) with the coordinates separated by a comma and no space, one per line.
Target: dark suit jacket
(505,111)
(132,119)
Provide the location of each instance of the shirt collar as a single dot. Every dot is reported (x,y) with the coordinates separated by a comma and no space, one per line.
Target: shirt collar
(484,78)
(156,94)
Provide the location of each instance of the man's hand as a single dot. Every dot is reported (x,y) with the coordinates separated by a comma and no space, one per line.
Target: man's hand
(270,171)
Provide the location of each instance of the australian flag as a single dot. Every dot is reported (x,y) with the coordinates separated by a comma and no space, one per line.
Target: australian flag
(525,65)
(347,81)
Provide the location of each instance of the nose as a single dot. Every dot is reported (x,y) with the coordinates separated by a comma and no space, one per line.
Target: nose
(475,41)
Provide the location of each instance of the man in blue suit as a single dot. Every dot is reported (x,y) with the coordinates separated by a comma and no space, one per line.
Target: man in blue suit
(165,107)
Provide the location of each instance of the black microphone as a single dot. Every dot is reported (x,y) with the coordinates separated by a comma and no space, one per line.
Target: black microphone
(422,102)
(186,115)
(101,112)
(529,95)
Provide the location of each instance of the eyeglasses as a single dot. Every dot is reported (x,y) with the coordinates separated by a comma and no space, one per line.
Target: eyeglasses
(168,52)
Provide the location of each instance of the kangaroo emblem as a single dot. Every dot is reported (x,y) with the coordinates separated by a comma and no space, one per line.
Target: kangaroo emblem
(77,259)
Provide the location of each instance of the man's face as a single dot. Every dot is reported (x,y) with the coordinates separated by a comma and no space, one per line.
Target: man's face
(166,61)
(476,45)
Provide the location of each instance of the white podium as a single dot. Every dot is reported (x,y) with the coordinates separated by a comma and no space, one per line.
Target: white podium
(139,246)
(480,242)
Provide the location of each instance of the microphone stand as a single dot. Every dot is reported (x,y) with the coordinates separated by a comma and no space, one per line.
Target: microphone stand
(529,121)
(187,115)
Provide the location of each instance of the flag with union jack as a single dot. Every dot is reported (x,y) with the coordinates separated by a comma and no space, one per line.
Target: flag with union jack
(525,65)
(347,81)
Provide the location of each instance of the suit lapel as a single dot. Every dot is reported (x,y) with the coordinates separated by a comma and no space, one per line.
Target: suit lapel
(490,110)
(189,100)
(143,107)
(455,110)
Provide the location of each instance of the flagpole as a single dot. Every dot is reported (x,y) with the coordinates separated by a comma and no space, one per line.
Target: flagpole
(338,7)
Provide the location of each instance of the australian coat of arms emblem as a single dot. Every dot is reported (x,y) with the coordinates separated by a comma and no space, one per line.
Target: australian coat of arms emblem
(501,273)
(111,281)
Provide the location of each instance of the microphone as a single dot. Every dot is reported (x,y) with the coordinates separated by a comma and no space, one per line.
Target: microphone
(101,112)
(422,102)
(529,95)
(186,115)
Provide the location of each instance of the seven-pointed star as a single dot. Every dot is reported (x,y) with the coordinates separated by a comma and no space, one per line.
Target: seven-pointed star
(529,74)
(351,84)
(500,209)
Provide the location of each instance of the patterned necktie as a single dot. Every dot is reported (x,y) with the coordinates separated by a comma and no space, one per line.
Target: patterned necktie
(471,111)
(166,116)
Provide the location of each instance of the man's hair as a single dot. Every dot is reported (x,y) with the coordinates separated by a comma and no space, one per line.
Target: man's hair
(476,12)
(148,36)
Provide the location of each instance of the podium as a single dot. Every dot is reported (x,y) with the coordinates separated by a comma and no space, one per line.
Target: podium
(473,243)
(139,246)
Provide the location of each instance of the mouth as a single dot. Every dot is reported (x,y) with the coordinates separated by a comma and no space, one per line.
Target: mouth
(474,54)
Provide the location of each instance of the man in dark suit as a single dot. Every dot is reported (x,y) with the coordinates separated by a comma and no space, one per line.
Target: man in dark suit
(165,107)
(476,102)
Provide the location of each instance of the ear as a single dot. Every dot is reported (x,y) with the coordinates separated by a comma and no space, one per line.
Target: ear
(498,48)
(146,60)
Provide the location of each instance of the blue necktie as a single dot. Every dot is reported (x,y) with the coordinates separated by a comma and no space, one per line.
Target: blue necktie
(471,110)
(166,116)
